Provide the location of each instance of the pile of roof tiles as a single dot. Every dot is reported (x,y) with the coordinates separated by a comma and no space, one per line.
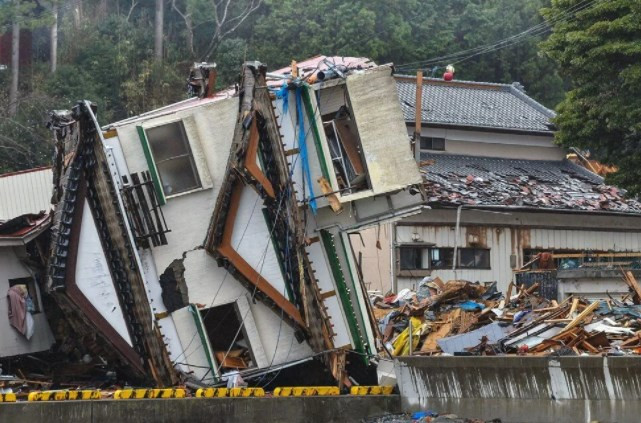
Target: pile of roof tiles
(542,184)
(465,318)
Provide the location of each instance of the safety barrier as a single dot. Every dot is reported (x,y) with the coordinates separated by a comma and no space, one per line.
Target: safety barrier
(62,395)
(141,393)
(371,390)
(8,397)
(145,393)
(229,392)
(306,391)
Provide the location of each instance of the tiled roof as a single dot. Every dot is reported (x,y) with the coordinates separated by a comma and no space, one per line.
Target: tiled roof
(473,104)
(542,184)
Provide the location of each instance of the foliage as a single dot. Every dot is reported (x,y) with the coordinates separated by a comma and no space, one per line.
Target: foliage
(599,49)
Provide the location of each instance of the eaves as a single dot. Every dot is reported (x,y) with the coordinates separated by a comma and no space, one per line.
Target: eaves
(480,128)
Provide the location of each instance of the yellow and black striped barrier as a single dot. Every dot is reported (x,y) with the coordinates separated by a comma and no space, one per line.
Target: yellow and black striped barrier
(62,395)
(229,392)
(8,397)
(141,393)
(306,391)
(371,390)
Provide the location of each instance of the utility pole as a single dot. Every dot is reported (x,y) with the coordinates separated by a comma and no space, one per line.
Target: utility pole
(418,109)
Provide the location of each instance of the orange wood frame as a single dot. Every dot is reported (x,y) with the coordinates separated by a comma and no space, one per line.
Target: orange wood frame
(251,157)
(227,250)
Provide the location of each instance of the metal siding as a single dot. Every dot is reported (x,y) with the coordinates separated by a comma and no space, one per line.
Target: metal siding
(28,192)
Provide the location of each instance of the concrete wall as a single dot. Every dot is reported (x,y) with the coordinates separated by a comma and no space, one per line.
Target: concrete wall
(495,144)
(194,410)
(506,233)
(591,283)
(13,342)
(524,389)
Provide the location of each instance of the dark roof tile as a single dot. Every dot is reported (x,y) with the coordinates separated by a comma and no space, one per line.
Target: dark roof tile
(542,184)
(474,104)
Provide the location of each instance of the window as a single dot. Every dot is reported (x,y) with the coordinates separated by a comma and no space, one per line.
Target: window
(431,143)
(441,258)
(32,290)
(173,158)
(474,258)
(411,258)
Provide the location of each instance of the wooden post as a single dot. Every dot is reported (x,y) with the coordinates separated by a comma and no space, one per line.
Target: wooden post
(211,83)
(418,107)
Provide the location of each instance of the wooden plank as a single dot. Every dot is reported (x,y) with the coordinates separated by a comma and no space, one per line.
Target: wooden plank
(575,303)
(632,283)
(584,314)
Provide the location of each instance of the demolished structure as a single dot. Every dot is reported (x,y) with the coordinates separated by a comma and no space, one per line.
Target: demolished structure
(211,237)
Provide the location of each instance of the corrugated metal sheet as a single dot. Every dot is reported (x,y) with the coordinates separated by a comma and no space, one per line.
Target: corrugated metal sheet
(25,192)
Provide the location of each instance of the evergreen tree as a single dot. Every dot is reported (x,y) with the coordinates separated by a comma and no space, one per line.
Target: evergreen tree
(598,46)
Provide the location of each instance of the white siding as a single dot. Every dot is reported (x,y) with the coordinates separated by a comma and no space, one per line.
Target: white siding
(25,192)
(504,242)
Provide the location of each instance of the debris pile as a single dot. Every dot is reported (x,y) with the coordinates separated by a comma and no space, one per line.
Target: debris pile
(542,184)
(465,318)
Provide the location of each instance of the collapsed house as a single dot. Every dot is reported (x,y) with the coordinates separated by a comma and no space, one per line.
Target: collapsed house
(500,192)
(211,237)
(24,221)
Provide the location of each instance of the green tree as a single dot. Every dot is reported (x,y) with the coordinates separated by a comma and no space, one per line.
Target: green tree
(599,48)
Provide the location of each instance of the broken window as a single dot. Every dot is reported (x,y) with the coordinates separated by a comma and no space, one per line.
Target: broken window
(432,143)
(343,141)
(227,337)
(474,258)
(173,158)
(32,292)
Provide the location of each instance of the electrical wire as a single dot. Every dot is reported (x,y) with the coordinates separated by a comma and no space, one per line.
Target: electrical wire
(512,40)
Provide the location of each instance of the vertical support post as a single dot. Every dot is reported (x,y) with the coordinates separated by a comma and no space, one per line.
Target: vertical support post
(211,83)
(418,107)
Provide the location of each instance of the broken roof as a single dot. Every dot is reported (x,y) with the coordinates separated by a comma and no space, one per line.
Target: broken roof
(26,191)
(541,184)
(474,105)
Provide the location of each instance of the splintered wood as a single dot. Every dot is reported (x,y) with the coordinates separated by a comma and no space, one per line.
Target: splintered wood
(527,323)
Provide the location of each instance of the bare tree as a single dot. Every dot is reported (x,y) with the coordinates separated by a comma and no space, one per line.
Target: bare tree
(53,47)
(159,29)
(226,23)
(189,24)
(15,61)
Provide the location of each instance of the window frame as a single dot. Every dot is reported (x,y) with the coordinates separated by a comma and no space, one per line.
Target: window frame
(189,154)
(32,290)
(431,140)
(426,269)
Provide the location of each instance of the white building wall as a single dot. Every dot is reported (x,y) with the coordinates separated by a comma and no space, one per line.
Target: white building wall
(13,342)
(494,144)
(505,242)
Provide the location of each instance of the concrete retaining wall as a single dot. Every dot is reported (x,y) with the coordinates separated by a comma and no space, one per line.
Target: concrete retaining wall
(194,410)
(524,389)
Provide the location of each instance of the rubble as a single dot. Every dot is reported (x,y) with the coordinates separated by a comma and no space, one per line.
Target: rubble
(464,318)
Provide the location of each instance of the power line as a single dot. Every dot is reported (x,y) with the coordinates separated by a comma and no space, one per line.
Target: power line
(527,34)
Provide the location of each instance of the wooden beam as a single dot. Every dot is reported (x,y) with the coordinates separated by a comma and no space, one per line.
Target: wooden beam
(418,108)
(631,281)
(585,313)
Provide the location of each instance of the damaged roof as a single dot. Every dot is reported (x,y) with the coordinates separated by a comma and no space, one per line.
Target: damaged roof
(474,104)
(542,184)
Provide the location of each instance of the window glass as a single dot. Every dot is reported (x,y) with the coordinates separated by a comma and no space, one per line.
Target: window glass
(441,258)
(173,158)
(411,258)
(474,258)
(431,143)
